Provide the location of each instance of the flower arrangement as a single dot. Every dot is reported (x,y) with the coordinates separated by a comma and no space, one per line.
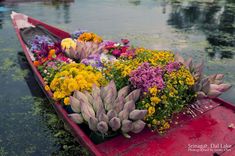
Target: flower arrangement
(167,90)
(115,87)
(122,49)
(75,76)
(79,50)
(89,37)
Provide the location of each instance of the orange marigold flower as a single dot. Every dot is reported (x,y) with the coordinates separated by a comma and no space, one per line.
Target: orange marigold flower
(36,63)
(44,60)
(47,88)
(66,101)
(51,53)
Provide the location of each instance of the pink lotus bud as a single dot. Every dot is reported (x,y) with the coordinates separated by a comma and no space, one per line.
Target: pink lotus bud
(100,111)
(92,122)
(137,114)
(95,91)
(115,123)
(76,118)
(103,117)
(201,95)
(219,76)
(124,91)
(134,95)
(129,106)
(75,104)
(89,97)
(212,78)
(123,114)
(87,111)
(102,127)
(138,126)
(97,101)
(214,93)
(205,85)
(224,87)
(80,96)
(111,114)
(126,126)
(119,104)
(108,102)
(113,90)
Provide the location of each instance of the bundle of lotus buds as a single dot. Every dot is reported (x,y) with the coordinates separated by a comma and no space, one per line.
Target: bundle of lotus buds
(211,86)
(79,50)
(107,109)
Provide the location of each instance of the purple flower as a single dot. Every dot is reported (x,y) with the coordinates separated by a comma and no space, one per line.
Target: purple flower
(77,33)
(145,77)
(40,45)
(97,60)
(172,66)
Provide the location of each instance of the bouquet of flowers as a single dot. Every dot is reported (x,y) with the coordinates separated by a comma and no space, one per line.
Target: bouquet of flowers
(115,87)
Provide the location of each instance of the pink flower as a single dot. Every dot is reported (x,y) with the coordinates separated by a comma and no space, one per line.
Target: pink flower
(145,77)
(116,52)
(125,41)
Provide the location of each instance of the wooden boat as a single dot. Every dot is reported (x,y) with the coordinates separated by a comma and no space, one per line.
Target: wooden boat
(210,132)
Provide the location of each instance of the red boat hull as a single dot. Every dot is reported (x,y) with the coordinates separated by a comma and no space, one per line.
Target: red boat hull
(206,134)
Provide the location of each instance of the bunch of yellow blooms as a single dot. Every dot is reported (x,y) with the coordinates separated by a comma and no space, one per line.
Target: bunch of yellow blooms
(75,76)
(154,57)
(90,37)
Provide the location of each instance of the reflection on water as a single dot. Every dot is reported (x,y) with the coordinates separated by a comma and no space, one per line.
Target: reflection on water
(29,125)
(61,6)
(135,2)
(2,10)
(215,19)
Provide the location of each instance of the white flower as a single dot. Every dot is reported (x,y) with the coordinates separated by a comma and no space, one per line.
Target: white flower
(117,44)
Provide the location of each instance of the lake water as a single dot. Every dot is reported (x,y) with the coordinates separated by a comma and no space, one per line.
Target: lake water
(202,29)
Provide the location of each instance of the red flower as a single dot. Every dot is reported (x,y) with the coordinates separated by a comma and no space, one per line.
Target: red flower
(116,52)
(125,41)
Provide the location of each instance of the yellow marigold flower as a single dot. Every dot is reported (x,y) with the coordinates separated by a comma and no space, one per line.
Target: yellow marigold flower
(181,82)
(151,110)
(154,122)
(171,94)
(166,125)
(190,81)
(59,95)
(73,77)
(54,84)
(64,73)
(155,100)
(147,105)
(90,37)
(47,88)
(67,101)
(153,90)
(72,86)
